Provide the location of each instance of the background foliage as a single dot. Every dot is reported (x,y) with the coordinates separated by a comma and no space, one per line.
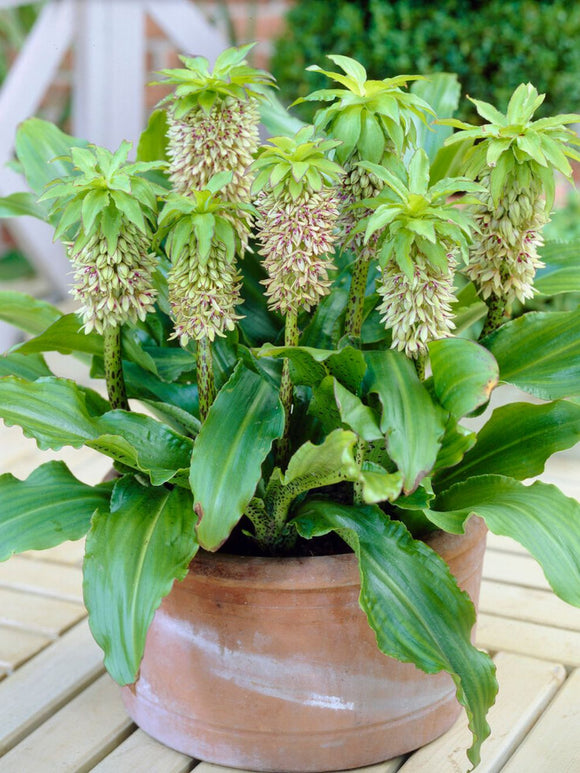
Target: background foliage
(492,46)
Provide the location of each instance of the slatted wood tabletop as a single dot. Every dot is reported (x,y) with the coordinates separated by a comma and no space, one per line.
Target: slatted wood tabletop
(59,710)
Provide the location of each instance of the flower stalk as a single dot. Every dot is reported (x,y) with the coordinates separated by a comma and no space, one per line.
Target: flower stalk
(205,377)
(114,378)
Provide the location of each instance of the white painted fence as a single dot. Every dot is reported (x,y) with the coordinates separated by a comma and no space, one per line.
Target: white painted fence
(108,41)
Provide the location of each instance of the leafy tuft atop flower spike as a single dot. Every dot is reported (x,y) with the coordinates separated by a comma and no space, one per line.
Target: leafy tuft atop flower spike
(213,120)
(514,158)
(419,233)
(298,208)
(106,209)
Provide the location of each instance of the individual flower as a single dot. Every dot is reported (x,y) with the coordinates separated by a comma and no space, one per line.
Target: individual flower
(202,242)
(105,210)
(298,210)
(514,159)
(213,121)
(420,233)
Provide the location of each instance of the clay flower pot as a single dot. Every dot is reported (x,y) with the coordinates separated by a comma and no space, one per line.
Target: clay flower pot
(270,665)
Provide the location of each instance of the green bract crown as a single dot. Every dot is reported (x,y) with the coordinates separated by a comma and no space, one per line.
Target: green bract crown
(367,115)
(205,217)
(296,164)
(512,145)
(197,85)
(103,190)
(410,212)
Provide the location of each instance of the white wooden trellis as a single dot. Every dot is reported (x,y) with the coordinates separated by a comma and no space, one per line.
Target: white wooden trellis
(108,41)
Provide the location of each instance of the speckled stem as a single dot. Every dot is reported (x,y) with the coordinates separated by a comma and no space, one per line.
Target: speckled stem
(360,453)
(419,363)
(114,368)
(291,337)
(356,297)
(205,379)
(495,315)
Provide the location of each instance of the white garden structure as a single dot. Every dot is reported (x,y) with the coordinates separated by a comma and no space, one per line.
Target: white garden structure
(108,104)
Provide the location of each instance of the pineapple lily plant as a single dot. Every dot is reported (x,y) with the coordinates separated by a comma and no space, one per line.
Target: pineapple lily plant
(293,338)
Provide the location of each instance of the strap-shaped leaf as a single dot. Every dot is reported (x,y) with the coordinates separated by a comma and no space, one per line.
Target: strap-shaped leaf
(540,353)
(133,555)
(28,366)
(412,603)
(64,335)
(49,507)
(561,273)
(464,374)
(27,313)
(517,440)
(540,517)
(226,464)
(413,424)
(57,412)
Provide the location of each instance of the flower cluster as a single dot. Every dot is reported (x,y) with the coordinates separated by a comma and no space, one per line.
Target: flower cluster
(504,256)
(114,286)
(297,242)
(417,309)
(298,210)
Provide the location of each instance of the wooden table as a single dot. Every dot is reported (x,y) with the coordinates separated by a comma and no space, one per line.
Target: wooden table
(59,710)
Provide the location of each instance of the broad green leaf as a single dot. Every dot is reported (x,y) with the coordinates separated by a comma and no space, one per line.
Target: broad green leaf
(468,309)
(540,353)
(442,91)
(312,465)
(40,147)
(276,118)
(412,423)
(540,517)
(464,374)
(412,603)
(153,140)
(134,553)
(28,366)
(561,273)
(78,417)
(354,414)
(308,366)
(18,204)
(27,313)
(456,442)
(65,335)
(378,485)
(232,444)
(517,440)
(49,507)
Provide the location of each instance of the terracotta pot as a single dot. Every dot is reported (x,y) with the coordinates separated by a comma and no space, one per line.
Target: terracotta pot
(270,665)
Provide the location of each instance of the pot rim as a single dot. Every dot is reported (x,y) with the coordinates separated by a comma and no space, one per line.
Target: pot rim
(309,572)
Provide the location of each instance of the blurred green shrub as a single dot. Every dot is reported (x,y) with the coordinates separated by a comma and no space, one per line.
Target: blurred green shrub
(15,24)
(492,46)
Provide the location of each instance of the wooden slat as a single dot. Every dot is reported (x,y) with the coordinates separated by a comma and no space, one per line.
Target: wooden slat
(140,752)
(504,544)
(67,553)
(526,686)
(537,641)
(529,604)
(38,613)
(17,646)
(40,687)
(56,580)
(553,746)
(77,737)
(514,569)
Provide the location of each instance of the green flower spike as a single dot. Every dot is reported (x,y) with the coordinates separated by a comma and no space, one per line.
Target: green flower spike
(213,121)
(420,234)
(105,210)
(375,121)
(298,209)
(514,158)
(202,242)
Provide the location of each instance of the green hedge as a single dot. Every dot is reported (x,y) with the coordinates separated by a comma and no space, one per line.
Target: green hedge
(492,46)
